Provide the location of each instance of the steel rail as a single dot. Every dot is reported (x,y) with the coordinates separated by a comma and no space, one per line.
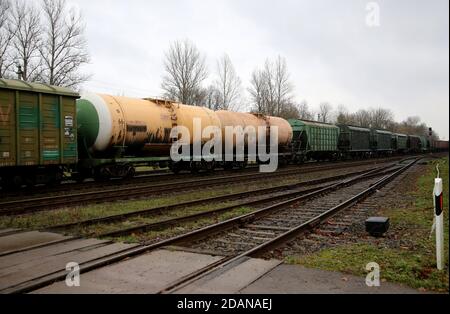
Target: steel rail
(49,202)
(37,283)
(171,221)
(169,207)
(288,235)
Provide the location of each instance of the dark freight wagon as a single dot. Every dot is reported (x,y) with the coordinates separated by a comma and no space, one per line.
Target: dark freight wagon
(424,144)
(439,146)
(354,141)
(414,144)
(314,140)
(381,141)
(38,132)
(399,142)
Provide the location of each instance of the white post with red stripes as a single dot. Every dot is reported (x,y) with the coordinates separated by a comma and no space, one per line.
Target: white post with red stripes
(439,221)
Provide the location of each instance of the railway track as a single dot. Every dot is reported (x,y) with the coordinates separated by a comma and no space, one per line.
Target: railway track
(252,200)
(17,207)
(266,228)
(252,236)
(140,178)
(143,178)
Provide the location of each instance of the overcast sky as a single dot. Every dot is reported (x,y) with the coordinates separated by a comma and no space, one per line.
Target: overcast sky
(332,54)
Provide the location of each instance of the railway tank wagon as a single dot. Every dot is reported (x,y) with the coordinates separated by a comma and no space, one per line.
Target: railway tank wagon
(256,121)
(117,133)
(314,140)
(354,142)
(38,139)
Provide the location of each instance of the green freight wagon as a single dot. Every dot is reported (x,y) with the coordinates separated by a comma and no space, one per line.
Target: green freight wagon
(400,142)
(38,138)
(354,141)
(414,144)
(314,140)
(424,144)
(381,142)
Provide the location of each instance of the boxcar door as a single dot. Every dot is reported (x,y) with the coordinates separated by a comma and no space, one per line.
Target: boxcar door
(7,128)
(27,130)
(50,129)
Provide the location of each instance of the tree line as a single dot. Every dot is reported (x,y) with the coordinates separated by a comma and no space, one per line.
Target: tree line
(270,92)
(42,42)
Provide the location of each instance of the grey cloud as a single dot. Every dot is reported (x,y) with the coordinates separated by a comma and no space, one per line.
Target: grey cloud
(332,55)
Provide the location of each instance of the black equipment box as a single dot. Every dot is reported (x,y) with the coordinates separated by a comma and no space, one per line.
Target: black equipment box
(377,226)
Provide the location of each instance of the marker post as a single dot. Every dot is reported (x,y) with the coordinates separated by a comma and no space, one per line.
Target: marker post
(439,221)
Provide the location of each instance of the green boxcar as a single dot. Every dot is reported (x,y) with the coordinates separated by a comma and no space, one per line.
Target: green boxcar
(400,142)
(381,140)
(354,141)
(37,127)
(314,140)
(414,144)
(424,144)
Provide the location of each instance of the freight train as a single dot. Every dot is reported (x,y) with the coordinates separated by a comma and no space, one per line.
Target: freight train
(47,132)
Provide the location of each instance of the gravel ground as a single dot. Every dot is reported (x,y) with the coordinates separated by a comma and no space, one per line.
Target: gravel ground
(348,226)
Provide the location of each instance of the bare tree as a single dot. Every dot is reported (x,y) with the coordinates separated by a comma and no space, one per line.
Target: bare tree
(185,71)
(381,118)
(362,118)
(411,121)
(268,77)
(413,125)
(63,50)
(257,91)
(228,84)
(199,97)
(325,110)
(304,112)
(6,36)
(270,88)
(207,97)
(283,87)
(26,41)
(289,111)
(343,116)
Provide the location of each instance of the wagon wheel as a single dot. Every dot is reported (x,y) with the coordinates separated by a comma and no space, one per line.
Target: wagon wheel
(130,173)
(228,165)
(175,167)
(101,174)
(209,166)
(194,167)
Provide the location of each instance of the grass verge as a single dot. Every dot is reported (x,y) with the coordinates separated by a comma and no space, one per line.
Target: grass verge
(44,219)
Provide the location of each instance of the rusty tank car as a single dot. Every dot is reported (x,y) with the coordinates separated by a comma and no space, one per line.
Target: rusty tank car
(256,122)
(116,133)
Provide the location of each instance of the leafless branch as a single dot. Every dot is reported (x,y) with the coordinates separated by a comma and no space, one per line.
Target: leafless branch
(185,71)
(325,110)
(228,84)
(304,111)
(63,49)
(6,36)
(26,39)
(270,88)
